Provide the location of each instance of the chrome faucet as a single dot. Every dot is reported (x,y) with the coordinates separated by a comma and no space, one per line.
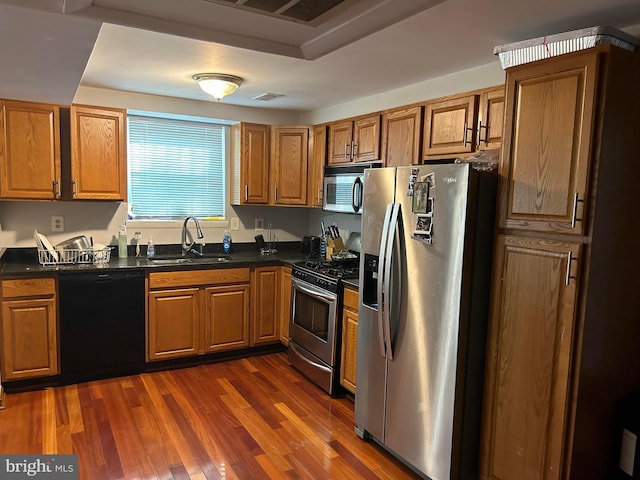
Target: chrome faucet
(186,236)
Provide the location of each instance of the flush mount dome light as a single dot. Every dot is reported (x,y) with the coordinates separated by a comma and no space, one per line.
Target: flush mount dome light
(218,85)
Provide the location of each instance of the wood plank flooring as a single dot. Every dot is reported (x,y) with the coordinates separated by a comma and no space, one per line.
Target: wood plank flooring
(254,418)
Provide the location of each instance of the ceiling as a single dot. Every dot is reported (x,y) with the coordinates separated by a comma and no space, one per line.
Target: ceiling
(316,53)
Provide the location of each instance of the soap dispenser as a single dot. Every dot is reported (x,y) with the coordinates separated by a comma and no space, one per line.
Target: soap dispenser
(226,242)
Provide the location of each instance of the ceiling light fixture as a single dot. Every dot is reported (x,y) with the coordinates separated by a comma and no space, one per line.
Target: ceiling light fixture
(218,85)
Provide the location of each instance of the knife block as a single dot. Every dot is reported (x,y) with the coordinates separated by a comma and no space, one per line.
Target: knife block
(334,245)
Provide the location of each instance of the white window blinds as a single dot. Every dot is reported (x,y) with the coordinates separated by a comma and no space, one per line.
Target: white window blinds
(176,168)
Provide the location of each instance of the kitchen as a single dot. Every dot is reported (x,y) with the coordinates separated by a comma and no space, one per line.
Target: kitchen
(291,224)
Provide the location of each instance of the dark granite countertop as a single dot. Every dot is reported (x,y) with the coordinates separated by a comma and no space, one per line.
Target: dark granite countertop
(24,261)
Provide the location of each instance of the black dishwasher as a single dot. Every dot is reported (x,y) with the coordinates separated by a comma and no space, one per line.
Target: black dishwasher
(101,324)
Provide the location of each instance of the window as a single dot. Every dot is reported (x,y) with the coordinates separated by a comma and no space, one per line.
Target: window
(176,168)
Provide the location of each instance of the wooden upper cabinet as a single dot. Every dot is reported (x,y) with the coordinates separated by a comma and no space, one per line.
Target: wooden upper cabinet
(289,161)
(548,120)
(529,357)
(29,151)
(317,161)
(254,164)
(98,153)
(340,142)
(490,119)
(354,140)
(449,126)
(402,136)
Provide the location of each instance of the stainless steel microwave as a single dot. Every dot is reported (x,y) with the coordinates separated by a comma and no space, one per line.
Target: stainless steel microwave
(343,187)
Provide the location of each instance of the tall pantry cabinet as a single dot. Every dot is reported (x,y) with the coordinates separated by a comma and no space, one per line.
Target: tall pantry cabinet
(564,332)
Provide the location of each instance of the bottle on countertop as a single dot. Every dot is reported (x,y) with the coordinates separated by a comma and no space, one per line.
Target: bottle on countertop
(151,248)
(226,242)
(122,241)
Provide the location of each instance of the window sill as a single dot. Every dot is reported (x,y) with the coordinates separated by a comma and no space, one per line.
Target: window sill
(173,224)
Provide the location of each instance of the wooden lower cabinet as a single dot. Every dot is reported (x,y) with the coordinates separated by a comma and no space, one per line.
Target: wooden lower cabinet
(226,317)
(196,312)
(265,292)
(349,340)
(531,340)
(285,303)
(174,323)
(29,328)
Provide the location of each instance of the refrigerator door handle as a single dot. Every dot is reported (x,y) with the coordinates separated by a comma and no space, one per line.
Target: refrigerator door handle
(381,291)
(391,238)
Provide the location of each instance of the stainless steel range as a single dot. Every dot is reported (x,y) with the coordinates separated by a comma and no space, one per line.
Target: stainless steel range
(314,345)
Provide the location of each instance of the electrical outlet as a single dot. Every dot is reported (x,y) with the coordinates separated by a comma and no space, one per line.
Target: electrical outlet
(57,223)
(259,224)
(235,223)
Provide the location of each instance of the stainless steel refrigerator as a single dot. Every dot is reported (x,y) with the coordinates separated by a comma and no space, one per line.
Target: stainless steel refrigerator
(427,236)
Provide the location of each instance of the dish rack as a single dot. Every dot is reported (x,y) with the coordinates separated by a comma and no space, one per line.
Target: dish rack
(74,256)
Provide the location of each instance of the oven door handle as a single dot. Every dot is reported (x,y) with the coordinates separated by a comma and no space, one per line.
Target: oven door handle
(315,292)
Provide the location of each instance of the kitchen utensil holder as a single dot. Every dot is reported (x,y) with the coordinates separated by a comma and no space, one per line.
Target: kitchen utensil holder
(74,256)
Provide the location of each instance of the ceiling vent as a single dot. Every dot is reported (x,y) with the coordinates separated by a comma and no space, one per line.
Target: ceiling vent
(267,97)
(304,11)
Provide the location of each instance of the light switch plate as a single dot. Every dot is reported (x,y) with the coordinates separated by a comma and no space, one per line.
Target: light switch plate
(57,223)
(259,224)
(235,223)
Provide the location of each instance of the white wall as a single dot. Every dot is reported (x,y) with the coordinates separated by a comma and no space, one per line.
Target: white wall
(101,219)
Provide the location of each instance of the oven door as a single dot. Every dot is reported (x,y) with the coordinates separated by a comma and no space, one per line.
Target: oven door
(313,320)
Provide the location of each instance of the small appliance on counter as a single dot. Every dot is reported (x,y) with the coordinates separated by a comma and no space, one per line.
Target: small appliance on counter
(311,245)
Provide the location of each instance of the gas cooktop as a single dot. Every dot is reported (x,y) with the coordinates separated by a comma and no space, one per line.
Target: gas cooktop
(325,274)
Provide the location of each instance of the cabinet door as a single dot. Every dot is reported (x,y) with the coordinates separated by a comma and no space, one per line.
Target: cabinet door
(29,151)
(316,165)
(349,340)
(490,119)
(531,336)
(290,150)
(546,150)
(285,304)
(265,322)
(254,164)
(226,318)
(173,323)
(29,338)
(366,139)
(340,137)
(402,134)
(449,126)
(98,153)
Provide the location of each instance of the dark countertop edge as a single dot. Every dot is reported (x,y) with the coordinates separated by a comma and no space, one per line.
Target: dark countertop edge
(23,262)
(353,283)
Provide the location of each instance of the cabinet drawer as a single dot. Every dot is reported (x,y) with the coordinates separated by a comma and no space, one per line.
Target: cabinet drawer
(28,287)
(187,278)
(351,299)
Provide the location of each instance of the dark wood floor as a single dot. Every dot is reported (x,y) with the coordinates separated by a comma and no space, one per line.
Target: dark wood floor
(254,418)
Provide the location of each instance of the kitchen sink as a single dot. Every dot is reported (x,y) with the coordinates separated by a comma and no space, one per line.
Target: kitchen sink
(207,258)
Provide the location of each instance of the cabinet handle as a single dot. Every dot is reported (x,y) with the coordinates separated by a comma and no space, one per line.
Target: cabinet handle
(570,259)
(464,139)
(56,188)
(347,155)
(75,187)
(320,191)
(275,194)
(574,215)
(354,150)
(486,135)
(246,193)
